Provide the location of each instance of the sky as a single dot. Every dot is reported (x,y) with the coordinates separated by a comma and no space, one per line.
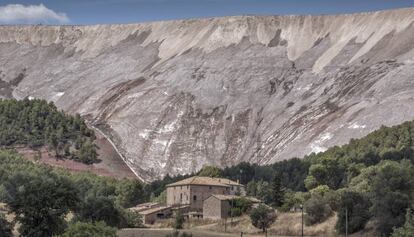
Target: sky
(85,12)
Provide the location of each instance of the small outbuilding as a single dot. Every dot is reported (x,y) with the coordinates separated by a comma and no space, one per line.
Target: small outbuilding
(149,216)
(218,206)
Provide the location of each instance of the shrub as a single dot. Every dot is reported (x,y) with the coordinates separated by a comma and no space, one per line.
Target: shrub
(131,219)
(82,229)
(408,229)
(317,210)
(5,227)
(236,211)
(243,204)
(262,217)
(178,221)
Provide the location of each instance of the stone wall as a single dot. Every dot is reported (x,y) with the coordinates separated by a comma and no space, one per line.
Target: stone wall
(215,209)
(201,193)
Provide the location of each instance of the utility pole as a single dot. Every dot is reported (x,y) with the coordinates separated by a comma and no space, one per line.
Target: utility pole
(301,208)
(346,221)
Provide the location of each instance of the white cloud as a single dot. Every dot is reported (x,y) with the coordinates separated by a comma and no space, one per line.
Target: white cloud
(31,14)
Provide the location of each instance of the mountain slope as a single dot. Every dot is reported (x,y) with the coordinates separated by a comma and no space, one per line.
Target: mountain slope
(176,95)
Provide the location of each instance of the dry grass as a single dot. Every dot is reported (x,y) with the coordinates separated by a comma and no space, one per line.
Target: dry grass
(287,224)
(290,224)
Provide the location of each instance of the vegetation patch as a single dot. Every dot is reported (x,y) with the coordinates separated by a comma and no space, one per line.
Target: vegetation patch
(37,123)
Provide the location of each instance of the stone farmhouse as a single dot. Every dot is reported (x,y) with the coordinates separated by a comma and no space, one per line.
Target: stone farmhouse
(193,191)
(189,197)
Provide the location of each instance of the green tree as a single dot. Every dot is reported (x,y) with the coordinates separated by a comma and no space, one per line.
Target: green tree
(251,188)
(87,153)
(262,217)
(210,171)
(130,193)
(131,219)
(99,208)
(408,229)
(161,199)
(317,210)
(356,206)
(264,191)
(82,229)
(40,201)
(277,192)
(392,194)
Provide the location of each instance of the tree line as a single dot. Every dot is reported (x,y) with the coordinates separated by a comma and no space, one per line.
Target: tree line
(367,180)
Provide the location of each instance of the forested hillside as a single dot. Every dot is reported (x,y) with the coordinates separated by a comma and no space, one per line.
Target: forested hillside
(371,177)
(37,123)
(368,180)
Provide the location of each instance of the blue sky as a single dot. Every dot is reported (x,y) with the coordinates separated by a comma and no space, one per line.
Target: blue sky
(128,11)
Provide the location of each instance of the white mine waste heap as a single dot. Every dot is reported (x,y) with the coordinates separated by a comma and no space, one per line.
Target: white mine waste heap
(176,95)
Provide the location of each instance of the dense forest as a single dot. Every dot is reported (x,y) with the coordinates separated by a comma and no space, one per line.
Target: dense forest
(38,123)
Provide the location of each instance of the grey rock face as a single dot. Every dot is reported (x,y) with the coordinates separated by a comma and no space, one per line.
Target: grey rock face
(176,95)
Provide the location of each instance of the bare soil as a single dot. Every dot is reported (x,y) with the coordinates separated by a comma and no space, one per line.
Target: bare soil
(111,164)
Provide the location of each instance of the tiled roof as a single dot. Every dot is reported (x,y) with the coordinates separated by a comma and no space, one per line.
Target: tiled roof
(144,206)
(198,180)
(230,197)
(154,210)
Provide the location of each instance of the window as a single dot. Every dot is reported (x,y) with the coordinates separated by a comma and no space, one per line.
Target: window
(195,198)
(181,196)
(209,187)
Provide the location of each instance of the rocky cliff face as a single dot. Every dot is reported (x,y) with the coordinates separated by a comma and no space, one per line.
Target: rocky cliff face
(176,95)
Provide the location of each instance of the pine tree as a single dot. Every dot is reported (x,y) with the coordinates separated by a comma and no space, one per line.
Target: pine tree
(278,191)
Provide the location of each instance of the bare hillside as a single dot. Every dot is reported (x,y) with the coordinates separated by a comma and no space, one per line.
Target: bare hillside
(175,95)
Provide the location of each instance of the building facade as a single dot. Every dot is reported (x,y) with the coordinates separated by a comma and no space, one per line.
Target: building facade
(218,206)
(193,191)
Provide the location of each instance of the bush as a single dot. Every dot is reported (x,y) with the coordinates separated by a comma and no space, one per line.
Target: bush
(408,229)
(178,221)
(81,229)
(5,227)
(317,210)
(358,212)
(262,217)
(242,204)
(99,208)
(293,199)
(236,211)
(131,219)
